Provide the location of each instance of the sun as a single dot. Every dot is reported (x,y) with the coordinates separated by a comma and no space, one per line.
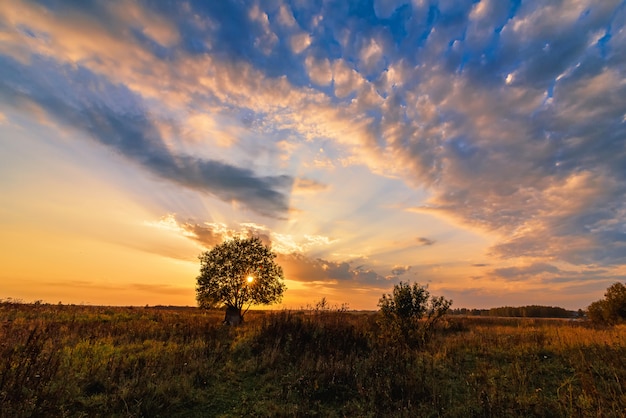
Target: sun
(250,279)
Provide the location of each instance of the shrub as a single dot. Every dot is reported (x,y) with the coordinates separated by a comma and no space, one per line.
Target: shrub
(411,313)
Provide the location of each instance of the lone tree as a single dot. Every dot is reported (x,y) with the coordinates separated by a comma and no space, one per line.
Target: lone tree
(611,309)
(412,313)
(239,273)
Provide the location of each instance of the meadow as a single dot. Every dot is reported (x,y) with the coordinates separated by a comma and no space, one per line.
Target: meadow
(85,361)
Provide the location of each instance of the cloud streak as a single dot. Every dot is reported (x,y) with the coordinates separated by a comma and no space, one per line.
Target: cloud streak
(71,100)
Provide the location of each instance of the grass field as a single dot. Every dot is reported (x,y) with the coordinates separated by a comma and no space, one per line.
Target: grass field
(81,361)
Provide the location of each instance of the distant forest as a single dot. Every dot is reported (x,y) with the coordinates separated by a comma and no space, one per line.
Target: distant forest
(530,311)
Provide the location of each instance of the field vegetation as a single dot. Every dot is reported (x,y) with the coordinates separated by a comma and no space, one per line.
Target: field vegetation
(82,361)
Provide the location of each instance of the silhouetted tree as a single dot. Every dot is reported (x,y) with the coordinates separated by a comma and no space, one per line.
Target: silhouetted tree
(611,309)
(239,273)
(412,312)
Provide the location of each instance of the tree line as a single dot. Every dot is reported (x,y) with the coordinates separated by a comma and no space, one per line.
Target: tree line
(528,311)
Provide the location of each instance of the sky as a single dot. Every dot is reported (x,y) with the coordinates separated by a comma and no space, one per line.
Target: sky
(476,147)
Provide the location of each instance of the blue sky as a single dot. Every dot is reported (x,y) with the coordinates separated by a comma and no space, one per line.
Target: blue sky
(477,147)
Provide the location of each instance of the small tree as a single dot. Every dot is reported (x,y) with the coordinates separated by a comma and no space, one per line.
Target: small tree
(412,312)
(237,274)
(611,309)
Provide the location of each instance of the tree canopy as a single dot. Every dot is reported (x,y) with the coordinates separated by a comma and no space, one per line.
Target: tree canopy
(611,309)
(239,273)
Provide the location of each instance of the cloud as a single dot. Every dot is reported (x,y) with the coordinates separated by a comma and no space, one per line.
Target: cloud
(204,80)
(371,54)
(510,117)
(126,128)
(151,24)
(545,274)
(308,186)
(425,241)
(347,80)
(210,234)
(306,269)
(202,127)
(285,16)
(299,42)
(319,71)
(504,160)
(398,271)
(266,39)
(526,272)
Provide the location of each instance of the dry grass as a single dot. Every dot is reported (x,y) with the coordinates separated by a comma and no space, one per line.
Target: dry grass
(131,362)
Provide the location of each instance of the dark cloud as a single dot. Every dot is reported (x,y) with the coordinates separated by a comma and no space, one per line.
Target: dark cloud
(397,272)
(400,270)
(425,241)
(70,96)
(547,274)
(523,273)
(206,235)
(303,268)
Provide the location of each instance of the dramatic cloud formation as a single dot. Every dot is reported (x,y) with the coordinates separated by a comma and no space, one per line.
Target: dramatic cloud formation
(476,145)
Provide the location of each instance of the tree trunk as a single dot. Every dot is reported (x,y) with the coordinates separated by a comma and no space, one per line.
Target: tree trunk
(233,316)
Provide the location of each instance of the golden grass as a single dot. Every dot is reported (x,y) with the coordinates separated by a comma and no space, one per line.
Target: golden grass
(131,362)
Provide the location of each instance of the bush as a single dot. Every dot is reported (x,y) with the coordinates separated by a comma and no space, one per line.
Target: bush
(412,313)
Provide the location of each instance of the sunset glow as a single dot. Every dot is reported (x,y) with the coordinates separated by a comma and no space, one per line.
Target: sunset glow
(476,147)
